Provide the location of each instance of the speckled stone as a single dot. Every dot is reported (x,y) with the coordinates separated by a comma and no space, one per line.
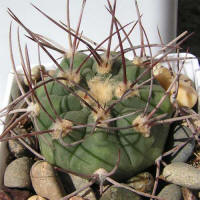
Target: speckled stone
(79,183)
(171,192)
(17,173)
(182,174)
(142,182)
(45,181)
(115,193)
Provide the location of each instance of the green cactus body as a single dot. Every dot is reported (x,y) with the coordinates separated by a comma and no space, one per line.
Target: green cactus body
(100,149)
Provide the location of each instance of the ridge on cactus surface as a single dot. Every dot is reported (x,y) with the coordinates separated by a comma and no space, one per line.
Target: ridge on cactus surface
(99,109)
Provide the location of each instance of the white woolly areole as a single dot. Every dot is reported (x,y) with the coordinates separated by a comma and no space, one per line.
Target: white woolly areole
(139,61)
(121,88)
(69,54)
(70,76)
(85,97)
(101,115)
(102,174)
(101,171)
(34,108)
(140,126)
(61,128)
(101,90)
(105,67)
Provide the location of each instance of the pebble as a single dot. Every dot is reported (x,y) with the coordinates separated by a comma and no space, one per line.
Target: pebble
(15,91)
(45,181)
(171,192)
(4,195)
(76,198)
(187,194)
(116,193)
(17,194)
(182,174)
(35,74)
(16,148)
(142,182)
(181,134)
(17,173)
(36,197)
(79,183)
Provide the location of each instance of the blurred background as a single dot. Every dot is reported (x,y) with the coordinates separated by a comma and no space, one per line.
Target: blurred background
(189,19)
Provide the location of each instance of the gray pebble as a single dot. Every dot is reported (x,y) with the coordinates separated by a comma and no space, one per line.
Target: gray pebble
(115,193)
(17,173)
(171,192)
(181,134)
(182,174)
(79,183)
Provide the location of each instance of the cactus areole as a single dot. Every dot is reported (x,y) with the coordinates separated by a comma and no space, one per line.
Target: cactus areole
(99,115)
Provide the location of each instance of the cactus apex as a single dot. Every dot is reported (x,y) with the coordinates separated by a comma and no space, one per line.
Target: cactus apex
(101,89)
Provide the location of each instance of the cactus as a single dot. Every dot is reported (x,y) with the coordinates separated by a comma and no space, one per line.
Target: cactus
(99,148)
(97,110)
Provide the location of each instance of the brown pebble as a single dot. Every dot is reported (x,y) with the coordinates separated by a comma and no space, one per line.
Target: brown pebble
(76,198)
(36,197)
(4,195)
(15,194)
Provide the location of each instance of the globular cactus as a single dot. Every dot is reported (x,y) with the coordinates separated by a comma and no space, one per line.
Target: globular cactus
(139,146)
(98,110)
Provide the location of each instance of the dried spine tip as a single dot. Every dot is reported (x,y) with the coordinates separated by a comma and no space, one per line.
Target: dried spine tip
(121,88)
(101,90)
(61,128)
(140,125)
(70,76)
(34,109)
